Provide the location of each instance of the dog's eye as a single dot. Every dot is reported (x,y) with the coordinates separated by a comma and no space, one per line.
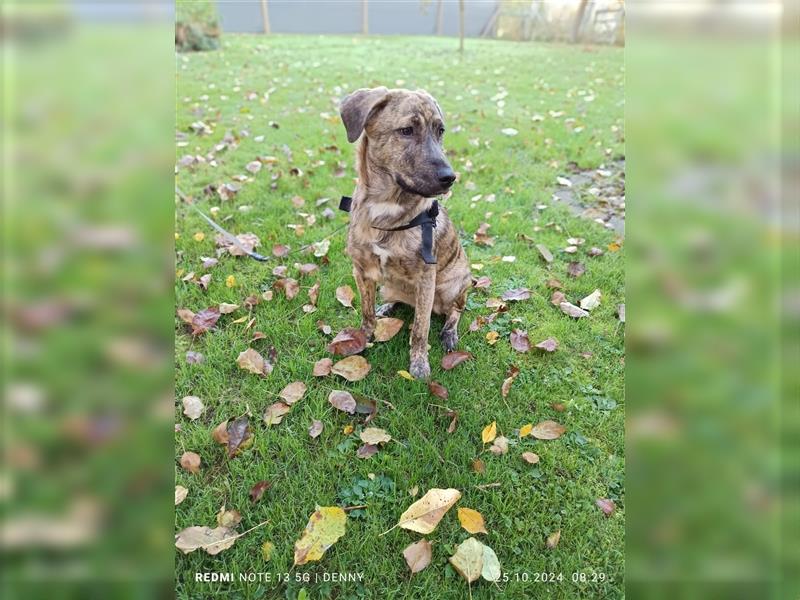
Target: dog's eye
(406,131)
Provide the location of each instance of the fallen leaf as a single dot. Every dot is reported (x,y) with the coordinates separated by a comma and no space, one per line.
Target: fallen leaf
(289,286)
(293,392)
(367,450)
(275,413)
(386,328)
(471,520)
(344,294)
(230,281)
(322,367)
(453,359)
(572,310)
(348,341)
(453,421)
(478,466)
(324,528)
(180,494)
(374,435)
(251,360)
(194,358)
(553,539)
(220,433)
(238,435)
(191,462)
(489,432)
(405,374)
(343,401)
(228,518)
(500,446)
(225,308)
(558,406)
(258,490)
(347,429)
(424,515)
(352,368)
(516,294)
(267,548)
(548,430)
(546,254)
(554,284)
(492,337)
(438,390)
(192,407)
(548,345)
(468,559)
(279,250)
(591,301)
(606,505)
(205,320)
(213,541)
(365,406)
(482,282)
(557,298)
(418,555)
(316,428)
(530,457)
(253,166)
(620,314)
(506,387)
(491,565)
(510,131)
(520,341)
(575,269)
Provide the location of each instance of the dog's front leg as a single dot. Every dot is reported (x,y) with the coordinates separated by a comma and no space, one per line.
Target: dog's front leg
(366,289)
(425,290)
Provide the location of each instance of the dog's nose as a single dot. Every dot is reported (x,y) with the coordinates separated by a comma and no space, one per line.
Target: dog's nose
(446,176)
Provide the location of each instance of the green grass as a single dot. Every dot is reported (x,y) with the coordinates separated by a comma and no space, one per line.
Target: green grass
(308,74)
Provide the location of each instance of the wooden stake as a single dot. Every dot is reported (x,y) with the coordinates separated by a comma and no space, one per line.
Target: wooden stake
(265,16)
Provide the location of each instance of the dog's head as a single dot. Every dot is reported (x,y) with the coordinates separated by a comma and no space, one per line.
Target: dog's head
(405,131)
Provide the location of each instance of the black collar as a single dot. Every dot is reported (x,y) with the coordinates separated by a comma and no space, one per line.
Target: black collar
(426,220)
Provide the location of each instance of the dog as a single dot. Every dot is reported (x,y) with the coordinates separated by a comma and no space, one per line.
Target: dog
(401,169)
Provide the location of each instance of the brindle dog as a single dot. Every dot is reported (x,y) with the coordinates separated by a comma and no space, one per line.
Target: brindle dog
(401,168)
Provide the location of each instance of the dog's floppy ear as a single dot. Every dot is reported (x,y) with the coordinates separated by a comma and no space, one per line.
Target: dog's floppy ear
(357,108)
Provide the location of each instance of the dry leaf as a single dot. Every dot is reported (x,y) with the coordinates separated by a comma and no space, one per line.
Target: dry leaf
(258,490)
(468,559)
(591,301)
(194,358)
(275,413)
(575,269)
(516,294)
(348,341)
(192,407)
(324,528)
(367,450)
(438,390)
(557,298)
(352,368)
(238,435)
(553,539)
(293,392)
(489,432)
(546,254)
(316,428)
(572,310)
(267,548)
(453,421)
(506,387)
(386,328)
(491,565)
(225,308)
(251,360)
(213,541)
(492,337)
(418,555)
(220,433)
(343,401)
(205,320)
(478,466)
(453,359)
(520,341)
(606,505)
(548,430)
(191,462)
(548,345)
(530,458)
(374,435)
(344,294)
(322,367)
(424,515)
(471,520)
(500,446)
(289,286)
(180,494)
(228,518)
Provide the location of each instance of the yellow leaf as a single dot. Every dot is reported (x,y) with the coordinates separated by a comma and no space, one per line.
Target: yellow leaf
(177,235)
(347,429)
(266,550)
(525,430)
(230,281)
(405,375)
(492,337)
(489,433)
(199,236)
(324,528)
(471,520)
(424,515)
(468,559)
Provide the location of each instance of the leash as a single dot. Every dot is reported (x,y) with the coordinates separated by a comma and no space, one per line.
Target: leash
(426,220)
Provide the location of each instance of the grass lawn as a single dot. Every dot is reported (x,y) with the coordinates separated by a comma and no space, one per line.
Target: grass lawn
(578,92)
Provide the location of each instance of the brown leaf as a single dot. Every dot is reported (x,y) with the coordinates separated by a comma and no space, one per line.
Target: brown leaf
(238,434)
(352,368)
(220,433)
(375,435)
(316,428)
(275,413)
(258,490)
(548,430)
(322,367)
(348,341)
(386,328)
(558,406)
(279,250)
(293,392)
(344,294)
(225,308)
(548,345)
(530,458)
(418,555)
(482,282)
(557,298)
(453,359)
(520,341)
(205,320)
(553,539)
(500,446)
(546,254)
(367,450)
(191,462)
(606,505)
(516,294)
(251,360)
(313,294)
(506,387)
(478,466)
(572,310)
(343,401)
(453,421)
(575,269)
(307,268)
(192,407)
(186,315)
(228,518)
(554,284)
(365,406)
(213,541)
(438,390)
(289,286)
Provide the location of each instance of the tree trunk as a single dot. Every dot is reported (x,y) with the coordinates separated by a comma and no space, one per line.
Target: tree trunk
(364,17)
(265,15)
(576,26)
(461,26)
(439,14)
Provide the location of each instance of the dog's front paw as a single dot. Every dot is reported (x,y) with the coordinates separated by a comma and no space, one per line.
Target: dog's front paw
(449,339)
(420,369)
(369,330)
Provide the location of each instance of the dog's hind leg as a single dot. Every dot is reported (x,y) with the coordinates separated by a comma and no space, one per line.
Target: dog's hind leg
(449,335)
